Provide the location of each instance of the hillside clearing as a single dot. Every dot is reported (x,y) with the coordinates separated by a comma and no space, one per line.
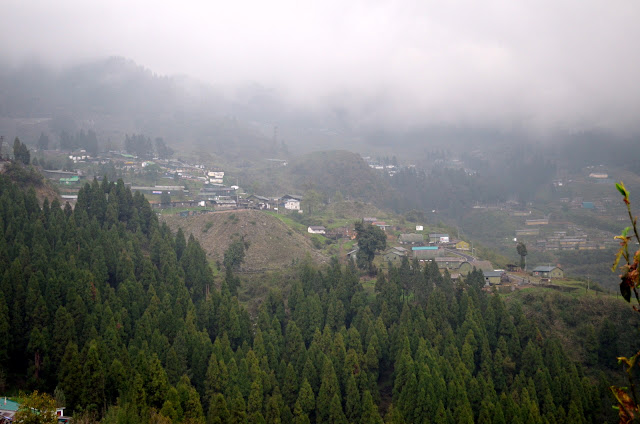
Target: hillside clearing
(272,244)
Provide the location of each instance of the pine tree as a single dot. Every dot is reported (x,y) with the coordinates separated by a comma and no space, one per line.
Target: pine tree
(353,406)
(290,385)
(190,401)
(328,389)
(336,415)
(299,416)
(370,414)
(218,412)
(93,378)
(237,412)
(254,405)
(4,332)
(306,398)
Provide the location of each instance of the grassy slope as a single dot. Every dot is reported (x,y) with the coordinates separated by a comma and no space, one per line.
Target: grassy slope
(273,244)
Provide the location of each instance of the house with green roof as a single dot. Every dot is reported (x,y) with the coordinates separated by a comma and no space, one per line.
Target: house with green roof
(422,253)
(69,180)
(8,409)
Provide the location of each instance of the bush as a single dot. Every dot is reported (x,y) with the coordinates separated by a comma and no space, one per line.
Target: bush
(207,226)
(317,242)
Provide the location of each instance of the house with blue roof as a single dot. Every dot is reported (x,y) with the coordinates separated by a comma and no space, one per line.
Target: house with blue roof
(422,253)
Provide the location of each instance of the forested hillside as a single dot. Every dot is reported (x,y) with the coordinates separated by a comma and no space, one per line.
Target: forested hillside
(337,171)
(125,321)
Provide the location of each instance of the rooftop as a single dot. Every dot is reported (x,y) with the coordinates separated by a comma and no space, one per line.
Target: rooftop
(544,268)
(8,404)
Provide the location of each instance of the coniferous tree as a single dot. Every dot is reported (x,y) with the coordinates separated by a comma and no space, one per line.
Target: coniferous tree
(93,377)
(218,412)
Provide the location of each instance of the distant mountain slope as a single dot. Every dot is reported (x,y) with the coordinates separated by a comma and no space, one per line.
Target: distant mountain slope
(273,245)
(115,96)
(337,171)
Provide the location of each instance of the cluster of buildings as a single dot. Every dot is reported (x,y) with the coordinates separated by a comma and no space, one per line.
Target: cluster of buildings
(447,253)
(213,193)
(561,235)
(390,169)
(452,255)
(559,240)
(8,409)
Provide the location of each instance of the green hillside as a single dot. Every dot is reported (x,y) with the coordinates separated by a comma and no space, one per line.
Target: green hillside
(337,171)
(126,322)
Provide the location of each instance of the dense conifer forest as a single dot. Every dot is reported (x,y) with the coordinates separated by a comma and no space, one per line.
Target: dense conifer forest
(124,320)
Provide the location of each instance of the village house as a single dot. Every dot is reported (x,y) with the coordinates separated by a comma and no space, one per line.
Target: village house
(258,202)
(177,204)
(548,271)
(482,265)
(317,229)
(291,202)
(70,180)
(462,245)
(79,156)
(455,264)
(411,239)
(227,203)
(395,254)
(382,225)
(159,189)
(209,191)
(527,232)
(492,278)
(423,253)
(215,177)
(341,232)
(438,238)
(57,174)
(8,409)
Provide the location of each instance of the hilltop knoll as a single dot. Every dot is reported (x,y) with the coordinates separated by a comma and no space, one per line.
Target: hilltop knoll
(272,245)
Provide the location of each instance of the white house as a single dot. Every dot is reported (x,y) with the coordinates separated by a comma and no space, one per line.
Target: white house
(317,230)
(291,202)
(215,177)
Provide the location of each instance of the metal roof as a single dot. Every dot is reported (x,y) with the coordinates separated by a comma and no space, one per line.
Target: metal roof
(8,404)
(544,268)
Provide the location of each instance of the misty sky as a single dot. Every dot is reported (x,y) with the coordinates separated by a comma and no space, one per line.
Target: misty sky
(535,64)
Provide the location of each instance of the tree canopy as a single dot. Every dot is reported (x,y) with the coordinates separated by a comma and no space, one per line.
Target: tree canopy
(371,239)
(21,152)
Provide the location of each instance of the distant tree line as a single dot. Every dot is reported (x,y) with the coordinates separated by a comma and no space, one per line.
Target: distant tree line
(142,146)
(80,140)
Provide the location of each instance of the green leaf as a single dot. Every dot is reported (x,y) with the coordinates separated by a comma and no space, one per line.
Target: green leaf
(617,260)
(621,188)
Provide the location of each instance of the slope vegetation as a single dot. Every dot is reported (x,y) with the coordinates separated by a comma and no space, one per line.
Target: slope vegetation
(272,244)
(337,171)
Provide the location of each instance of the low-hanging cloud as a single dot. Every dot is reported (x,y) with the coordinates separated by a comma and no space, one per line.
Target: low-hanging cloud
(538,65)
